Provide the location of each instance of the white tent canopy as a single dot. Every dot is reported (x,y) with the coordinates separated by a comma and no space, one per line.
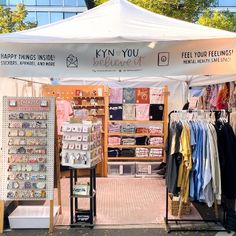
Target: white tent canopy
(118,39)
(114,22)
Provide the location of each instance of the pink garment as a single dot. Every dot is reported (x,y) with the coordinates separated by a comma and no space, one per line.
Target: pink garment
(116,95)
(114,140)
(142,111)
(63,110)
(156,96)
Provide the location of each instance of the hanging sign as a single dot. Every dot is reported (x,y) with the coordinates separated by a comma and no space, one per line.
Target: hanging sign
(190,57)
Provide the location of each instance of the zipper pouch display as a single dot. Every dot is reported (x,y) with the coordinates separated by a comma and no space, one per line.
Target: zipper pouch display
(156,140)
(129,95)
(156,96)
(113,152)
(114,140)
(128,128)
(116,95)
(142,111)
(128,141)
(127,152)
(156,111)
(115,111)
(114,128)
(143,140)
(155,152)
(129,112)
(141,152)
(142,95)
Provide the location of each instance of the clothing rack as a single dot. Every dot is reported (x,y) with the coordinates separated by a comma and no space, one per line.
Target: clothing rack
(217,220)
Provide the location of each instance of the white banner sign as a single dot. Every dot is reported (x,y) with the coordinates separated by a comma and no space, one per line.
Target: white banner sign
(196,57)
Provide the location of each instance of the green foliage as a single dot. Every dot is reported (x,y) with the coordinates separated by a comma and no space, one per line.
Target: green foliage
(187,10)
(12,21)
(221,20)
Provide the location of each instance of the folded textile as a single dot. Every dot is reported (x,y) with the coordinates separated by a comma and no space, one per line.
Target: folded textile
(141,152)
(115,111)
(142,95)
(142,111)
(128,111)
(113,152)
(114,128)
(156,140)
(143,140)
(156,111)
(155,152)
(128,141)
(156,129)
(127,152)
(128,128)
(142,130)
(129,95)
(114,140)
(156,96)
(116,95)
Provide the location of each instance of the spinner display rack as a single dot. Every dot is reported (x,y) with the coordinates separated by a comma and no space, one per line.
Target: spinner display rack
(27,163)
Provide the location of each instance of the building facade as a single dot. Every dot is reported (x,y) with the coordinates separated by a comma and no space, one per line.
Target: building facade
(48,11)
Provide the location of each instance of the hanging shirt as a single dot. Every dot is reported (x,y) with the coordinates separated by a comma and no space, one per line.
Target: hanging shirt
(186,165)
(215,164)
(129,95)
(63,111)
(116,95)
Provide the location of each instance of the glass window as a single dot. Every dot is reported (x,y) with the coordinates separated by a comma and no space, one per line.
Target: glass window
(82,3)
(57,2)
(31,16)
(30,2)
(2,2)
(42,18)
(69,14)
(71,3)
(14,2)
(43,2)
(56,16)
(227,3)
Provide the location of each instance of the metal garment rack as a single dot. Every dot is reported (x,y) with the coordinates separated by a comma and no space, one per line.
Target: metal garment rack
(177,221)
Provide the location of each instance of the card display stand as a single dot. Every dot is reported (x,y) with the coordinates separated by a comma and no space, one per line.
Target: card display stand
(27,165)
(81,144)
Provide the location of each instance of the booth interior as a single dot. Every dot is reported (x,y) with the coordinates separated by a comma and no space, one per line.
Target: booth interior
(101,95)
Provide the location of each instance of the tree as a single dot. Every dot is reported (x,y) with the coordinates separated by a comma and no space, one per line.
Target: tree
(12,21)
(187,10)
(221,20)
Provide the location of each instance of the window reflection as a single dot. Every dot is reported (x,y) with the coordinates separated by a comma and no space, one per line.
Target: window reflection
(14,2)
(30,2)
(43,2)
(56,16)
(42,18)
(69,14)
(227,3)
(57,2)
(31,16)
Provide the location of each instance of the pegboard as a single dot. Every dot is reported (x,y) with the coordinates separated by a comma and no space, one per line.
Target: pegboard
(35,109)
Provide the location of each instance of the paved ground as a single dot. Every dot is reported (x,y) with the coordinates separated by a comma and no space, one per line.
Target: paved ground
(110,232)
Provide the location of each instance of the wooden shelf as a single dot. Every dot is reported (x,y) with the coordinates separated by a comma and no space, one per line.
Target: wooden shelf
(89,97)
(135,158)
(135,134)
(136,121)
(79,106)
(136,146)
